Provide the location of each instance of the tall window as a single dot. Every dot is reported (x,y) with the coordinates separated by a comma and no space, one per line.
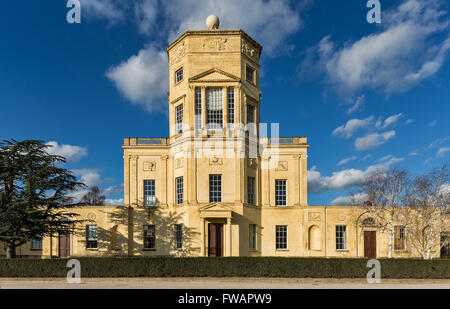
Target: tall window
(249,74)
(399,238)
(231,105)
(214,108)
(281,237)
(91,237)
(198,108)
(179,183)
(149,237)
(36,243)
(252,236)
(280,192)
(178,234)
(250,114)
(341,237)
(251,190)
(179,75)
(215,188)
(149,193)
(179,119)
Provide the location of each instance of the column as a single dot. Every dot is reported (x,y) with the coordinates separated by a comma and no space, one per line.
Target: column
(202,237)
(203,108)
(163,180)
(126,183)
(225,109)
(228,236)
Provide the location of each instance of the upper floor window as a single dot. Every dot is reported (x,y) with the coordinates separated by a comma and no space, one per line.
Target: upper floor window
(252,236)
(250,114)
(341,237)
(280,192)
(149,193)
(399,238)
(91,237)
(251,190)
(281,237)
(36,243)
(230,105)
(178,235)
(215,188)
(250,74)
(149,237)
(179,75)
(179,119)
(198,108)
(179,188)
(214,108)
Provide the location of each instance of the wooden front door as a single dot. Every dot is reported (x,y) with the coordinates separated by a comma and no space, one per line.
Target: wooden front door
(215,239)
(64,245)
(370,244)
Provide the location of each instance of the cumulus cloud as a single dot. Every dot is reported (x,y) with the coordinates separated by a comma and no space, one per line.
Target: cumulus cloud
(346,160)
(90,177)
(350,200)
(70,152)
(442,151)
(110,10)
(114,202)
(347,130)
(408,49)
(143,79)
(373,140)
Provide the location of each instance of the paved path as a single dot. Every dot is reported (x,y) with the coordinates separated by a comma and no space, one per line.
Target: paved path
(220,283)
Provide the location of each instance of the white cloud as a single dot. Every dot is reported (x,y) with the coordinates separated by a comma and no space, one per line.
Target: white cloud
(391,120)
(390,160)
(353,125)
(373,140)
(442,151)
(357,199)
(71,153)
(90,177)
(357,105)
(113,202)
(110,10)
(143,79)
(406,51)
(346,160)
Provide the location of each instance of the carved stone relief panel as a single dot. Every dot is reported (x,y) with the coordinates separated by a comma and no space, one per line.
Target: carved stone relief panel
(248,50)
(215,44)
(314,216)
(178,163)
(178,53)
(215,161)
(282,166)
(150,166)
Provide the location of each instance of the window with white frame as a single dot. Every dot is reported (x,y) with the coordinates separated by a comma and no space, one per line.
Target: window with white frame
(198,108)
(281,237)
(179,190)
(214,108)
(36,243)
(178,234)
(230,105)
(280,192)
(149,192)
(149,237)
(91,237)
(252,236)
(399,238)
(215,188)
(251,190)
(179,119)
(179,75)
(341,237)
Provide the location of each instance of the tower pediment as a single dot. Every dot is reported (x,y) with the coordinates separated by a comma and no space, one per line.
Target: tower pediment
(214,75)
(215,210)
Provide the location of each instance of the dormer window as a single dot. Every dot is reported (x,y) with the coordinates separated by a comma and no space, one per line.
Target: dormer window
(179,75)
(250,74)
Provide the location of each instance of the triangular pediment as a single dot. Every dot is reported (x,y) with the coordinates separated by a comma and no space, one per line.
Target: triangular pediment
(214,75)
(215,207)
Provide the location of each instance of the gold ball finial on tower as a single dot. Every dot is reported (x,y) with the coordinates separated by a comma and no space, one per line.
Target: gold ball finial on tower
(212,22)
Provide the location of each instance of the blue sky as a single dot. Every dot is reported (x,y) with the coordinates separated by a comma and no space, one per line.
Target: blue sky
(364,94)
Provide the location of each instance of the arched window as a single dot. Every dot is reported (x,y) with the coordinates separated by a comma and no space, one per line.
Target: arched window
(369,222)
(314,238)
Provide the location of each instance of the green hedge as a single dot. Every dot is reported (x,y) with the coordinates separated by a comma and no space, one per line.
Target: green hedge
(226,267)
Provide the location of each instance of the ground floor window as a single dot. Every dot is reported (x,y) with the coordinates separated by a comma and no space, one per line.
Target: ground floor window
(91,237)
(399,238)
(281,237)
(178,233)
(341,237)
(252,236)
(36,243)
(149,237)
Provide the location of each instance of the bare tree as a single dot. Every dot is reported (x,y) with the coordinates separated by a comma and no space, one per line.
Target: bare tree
(385,192)
(93,197)
(429,201)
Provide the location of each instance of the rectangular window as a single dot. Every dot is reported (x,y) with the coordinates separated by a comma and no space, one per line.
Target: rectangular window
(280,192)
(149,237)
(36,244)
(179,119)
(252,236)
(149,193)
(399,238)
(91,237)
(215,188)
(179,75)
(250,114)
(341,237)
(198,108)
(214,108)
(251,190)
(179,183)
(178,233)
(281,237)
(249,74)
(231,105)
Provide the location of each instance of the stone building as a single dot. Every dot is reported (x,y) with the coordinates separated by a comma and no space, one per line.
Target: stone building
(217,185)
